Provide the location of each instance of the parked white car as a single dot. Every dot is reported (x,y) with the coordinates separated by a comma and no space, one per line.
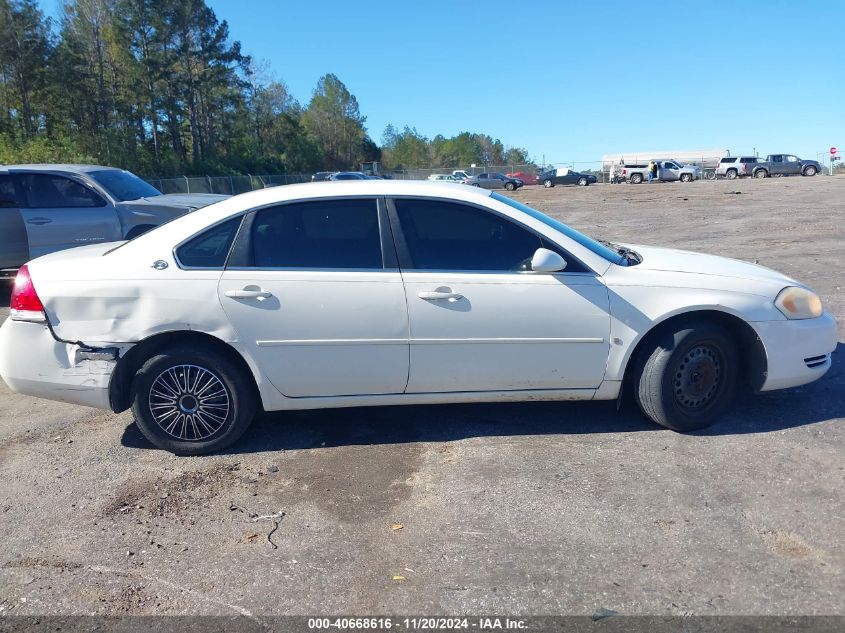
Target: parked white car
(384,292)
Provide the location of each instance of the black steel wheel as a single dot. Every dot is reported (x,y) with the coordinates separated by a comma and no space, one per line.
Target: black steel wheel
(689,378)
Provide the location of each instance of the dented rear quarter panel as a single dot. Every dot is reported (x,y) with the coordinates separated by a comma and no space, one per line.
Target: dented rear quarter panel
(104,299)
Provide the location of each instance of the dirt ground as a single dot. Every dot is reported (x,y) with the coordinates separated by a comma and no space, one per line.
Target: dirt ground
(540,508)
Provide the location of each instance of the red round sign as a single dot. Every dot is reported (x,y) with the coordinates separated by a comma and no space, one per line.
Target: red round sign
(833,151)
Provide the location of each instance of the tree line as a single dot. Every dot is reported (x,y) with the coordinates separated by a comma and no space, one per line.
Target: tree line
(160,87)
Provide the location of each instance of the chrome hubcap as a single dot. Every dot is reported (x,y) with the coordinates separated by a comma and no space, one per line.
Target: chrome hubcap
(698,377)
(189,402)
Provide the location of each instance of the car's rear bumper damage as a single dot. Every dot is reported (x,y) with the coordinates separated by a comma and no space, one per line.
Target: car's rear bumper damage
(34,363)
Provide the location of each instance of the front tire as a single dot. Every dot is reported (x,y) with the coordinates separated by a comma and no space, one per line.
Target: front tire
(731,174)
(583,182)
(690,377)
(686,177)
(192,401)
(510,186)
(810,170)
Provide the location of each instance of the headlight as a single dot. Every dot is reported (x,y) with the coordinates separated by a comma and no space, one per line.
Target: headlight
(798,303)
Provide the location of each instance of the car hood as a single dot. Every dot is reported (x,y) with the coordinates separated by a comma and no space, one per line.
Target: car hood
(672,260)
(192,201)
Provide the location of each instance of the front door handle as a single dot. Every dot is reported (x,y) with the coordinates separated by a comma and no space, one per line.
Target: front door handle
(439,295)
(39,221)
(249,293)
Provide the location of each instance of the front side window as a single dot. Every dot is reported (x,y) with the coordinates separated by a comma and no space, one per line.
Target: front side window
(791,159)
(49,191)
(7,193)
(210,248)
(596,247)
(444,235)
(329,234)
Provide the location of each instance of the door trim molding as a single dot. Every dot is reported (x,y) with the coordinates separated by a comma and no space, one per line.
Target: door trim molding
(421,341)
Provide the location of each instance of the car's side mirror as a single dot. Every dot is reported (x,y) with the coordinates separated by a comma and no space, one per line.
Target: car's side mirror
(546,261)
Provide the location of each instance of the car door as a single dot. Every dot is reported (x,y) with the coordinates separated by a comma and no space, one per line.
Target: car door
(14,249)
(777,166)
(478,320)
(791,165)
(669,171)
(313,290)
(61,212)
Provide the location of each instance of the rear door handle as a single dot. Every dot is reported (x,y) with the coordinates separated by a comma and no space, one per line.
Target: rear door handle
(39,221)
(439,295)
(248,294)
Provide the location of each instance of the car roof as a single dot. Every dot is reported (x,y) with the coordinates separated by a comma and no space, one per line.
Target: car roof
(234,205)
(59,167)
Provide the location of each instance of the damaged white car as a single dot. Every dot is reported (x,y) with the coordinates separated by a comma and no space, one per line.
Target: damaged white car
(383,292)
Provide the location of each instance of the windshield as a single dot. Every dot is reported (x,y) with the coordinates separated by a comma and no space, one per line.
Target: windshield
(124,185)
(585,241)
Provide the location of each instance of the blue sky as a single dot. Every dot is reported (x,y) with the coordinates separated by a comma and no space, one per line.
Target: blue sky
(569,80)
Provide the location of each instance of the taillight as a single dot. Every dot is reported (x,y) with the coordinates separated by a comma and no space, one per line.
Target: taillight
(624,172)
(25,304)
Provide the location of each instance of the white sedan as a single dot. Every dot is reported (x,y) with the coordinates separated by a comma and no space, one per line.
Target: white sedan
(382,293)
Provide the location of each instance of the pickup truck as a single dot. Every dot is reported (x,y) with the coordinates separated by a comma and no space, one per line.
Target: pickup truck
(667,171)
(785,165)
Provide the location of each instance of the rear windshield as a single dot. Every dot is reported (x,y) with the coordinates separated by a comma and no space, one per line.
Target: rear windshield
(124,185)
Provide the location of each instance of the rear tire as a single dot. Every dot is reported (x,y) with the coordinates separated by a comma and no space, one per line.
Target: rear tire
(636,178)
(690,377)
(761,173)
(192,401)
(731,174)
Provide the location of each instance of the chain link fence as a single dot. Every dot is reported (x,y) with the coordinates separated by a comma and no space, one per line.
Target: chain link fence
(232,185)
(228,185)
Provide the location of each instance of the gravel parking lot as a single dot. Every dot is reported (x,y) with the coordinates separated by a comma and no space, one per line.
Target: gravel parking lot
(539,508)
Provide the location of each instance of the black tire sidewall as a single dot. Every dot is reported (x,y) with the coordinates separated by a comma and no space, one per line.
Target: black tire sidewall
(241,411)
(670,353)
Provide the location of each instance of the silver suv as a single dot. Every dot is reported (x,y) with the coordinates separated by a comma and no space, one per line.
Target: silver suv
(731,167)
(47,208)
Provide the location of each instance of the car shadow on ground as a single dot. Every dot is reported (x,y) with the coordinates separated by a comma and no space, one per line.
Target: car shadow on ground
(291,430)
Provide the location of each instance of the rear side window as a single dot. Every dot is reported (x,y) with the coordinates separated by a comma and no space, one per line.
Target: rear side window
(448,236)
(49,191)
(728,160)
(210,248)
(333,234)
(7,193)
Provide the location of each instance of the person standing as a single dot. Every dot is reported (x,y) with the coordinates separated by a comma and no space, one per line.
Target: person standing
(651,169)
